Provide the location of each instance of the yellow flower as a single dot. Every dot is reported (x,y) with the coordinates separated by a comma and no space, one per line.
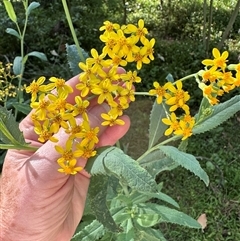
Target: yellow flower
(69,168)
(59,103)
(86,151)
(73,129)
(41,107)
(104,91)
(44,131)
(111,119)
(67,153)
(35,87)
(127,92)
(60,85)
(178,97)
(86,84)
(117,59)
(131,76)
(140,57)
(109,26)
(88,134)
(172,122)
(140,31)
(97,61)
(185,129)
(159,91)
(148,45)
(80,108)
(219,60)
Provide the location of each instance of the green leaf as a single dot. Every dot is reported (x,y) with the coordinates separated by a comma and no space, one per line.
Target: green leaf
(13,32)
(143,235)
(74,59)
(156,127)
(170,215)
(170,78)
(93,231)
(156,162)
(186,160)
(97,197)
(146,217)
(31,7)
(219,114)
(9,131)
(39,55)
(10,10)
(128,236)
(114,161)
(22,107)
(17,65)
(152,232)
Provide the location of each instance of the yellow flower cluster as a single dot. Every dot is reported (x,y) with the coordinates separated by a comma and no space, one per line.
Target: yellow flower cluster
(175,97)
(99,78)
(7,89)
(216,79)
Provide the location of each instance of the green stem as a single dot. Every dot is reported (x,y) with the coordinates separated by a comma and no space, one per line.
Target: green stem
(19,147)
(173,138)
(142,93)
(188,77)
(67,14)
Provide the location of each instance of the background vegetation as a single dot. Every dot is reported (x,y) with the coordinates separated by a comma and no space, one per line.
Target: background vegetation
(179,27)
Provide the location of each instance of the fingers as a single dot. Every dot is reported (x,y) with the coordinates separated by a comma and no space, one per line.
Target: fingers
(113,133)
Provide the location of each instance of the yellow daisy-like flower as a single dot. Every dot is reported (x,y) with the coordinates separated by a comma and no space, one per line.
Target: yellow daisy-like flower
(159,91)
(109,26)
(219,60)
(178,97)
(69,168)
(148,45)
(131,76)
(104,91)
(140,31)
(35,87)
(59,84)
(141,57)
(41,107)
(86,151)
(80,108)
(67,153)
(89,135)
(185,129)
(111,119)
(44,131)
(97,61)
(172,122)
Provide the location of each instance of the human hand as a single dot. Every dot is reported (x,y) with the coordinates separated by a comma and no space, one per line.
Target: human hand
(37,202)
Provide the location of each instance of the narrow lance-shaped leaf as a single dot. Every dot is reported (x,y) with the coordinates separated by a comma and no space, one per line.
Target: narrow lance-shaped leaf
(10,10)
(156,162)
(31,7)
(10,132)
(156,127)
(93,231)
(13,32)
(37,54)
(97,197)
(170,215)
(219,114)
(17,65)
(186,160)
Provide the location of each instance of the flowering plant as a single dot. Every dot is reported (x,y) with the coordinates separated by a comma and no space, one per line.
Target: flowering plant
(121,190)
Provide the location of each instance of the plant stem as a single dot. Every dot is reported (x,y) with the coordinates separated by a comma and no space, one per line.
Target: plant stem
(173,138)
(142,93)
(67,14)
